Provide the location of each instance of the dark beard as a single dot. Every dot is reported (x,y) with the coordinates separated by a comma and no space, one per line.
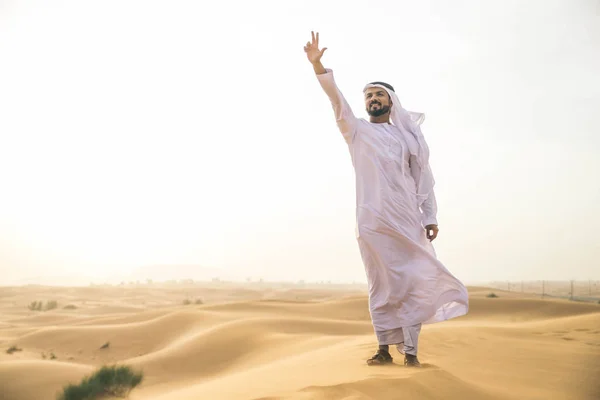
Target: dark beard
(376,113)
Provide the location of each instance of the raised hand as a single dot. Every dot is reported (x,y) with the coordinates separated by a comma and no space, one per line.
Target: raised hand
(312,49)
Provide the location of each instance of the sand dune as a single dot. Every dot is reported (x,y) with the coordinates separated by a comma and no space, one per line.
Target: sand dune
(418,386)
(291,343)
(33,379)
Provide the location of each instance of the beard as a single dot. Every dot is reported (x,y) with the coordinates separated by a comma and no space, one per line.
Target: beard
(376,113)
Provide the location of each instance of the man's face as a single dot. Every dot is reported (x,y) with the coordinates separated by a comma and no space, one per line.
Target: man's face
(377,101)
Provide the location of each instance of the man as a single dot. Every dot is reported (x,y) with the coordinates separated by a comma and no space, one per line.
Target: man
(396,216)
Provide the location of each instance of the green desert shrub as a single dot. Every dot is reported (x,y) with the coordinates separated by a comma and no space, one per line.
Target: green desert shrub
(492,295)
(70,307)
(113,381)
(51,305)
(12,349)
(39,305)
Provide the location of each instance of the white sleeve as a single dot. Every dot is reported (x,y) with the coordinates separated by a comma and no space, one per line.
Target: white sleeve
(429,209)
(344,117)
(429,205)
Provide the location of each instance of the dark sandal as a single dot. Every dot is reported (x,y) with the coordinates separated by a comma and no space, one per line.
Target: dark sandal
(411,361)
(380,358)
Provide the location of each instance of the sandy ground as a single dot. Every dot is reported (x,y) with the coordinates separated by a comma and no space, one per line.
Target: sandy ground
(260,342)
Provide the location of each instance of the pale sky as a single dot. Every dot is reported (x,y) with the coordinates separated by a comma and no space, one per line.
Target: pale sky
(137,133)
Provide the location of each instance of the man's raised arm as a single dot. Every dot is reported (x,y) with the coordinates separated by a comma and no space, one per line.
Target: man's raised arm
(344,116)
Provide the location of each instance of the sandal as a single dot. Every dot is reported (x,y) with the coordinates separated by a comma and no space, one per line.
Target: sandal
(382,357)
(411,361)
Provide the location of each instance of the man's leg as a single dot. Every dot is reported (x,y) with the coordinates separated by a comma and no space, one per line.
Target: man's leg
(384,338)
(411,341)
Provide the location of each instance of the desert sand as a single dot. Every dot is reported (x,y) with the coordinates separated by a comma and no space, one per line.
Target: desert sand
(259,342)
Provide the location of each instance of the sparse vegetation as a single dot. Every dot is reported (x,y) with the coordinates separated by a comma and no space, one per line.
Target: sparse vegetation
(105,345)
(53,356)
(187,302)
(492,295)
(44,355)
(70,307)
(51,305)
(39,305)
(12,349)
(108,381)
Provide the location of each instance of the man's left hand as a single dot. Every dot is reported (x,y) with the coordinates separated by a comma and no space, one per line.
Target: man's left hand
(432,231)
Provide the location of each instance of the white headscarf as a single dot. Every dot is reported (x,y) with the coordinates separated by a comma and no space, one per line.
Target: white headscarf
(409,123)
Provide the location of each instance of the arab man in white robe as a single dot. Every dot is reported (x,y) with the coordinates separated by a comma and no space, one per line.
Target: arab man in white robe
(396,216)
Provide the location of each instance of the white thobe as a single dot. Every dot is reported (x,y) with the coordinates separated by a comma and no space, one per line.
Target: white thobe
(408,285)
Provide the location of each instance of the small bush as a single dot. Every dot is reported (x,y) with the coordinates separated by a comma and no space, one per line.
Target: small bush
(110,381)
(105,345)
(187,302)
(52,356)
(43,355)
(199,301)
(492,295)
(12,349)
(70,307)
(39,305)
(51,305)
